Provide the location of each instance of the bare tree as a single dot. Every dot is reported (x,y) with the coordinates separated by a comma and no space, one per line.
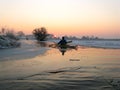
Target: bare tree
(40,33)
(11,34)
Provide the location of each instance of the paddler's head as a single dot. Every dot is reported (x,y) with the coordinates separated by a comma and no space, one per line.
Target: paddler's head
(63,38)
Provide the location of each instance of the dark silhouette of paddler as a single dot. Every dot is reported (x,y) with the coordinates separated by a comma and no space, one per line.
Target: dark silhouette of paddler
(62,43)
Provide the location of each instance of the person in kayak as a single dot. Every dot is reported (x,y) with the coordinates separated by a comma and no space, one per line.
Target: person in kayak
(62,43)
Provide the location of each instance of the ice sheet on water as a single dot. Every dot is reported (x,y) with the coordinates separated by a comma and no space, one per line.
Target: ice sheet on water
(96,43)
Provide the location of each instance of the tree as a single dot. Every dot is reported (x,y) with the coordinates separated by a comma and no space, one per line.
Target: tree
(11,34)
(3,30)
(40,33)
(20,33)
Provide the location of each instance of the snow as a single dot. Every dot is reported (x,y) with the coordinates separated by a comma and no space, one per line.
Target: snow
(99,43)
(28,49)
(6,42)
(112,44)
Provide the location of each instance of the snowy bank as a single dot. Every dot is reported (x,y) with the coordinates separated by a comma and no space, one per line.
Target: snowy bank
(7,42)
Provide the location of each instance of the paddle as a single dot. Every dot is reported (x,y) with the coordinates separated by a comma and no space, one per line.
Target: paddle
(69,41)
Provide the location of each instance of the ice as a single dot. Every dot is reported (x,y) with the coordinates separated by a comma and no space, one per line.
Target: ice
(113,44)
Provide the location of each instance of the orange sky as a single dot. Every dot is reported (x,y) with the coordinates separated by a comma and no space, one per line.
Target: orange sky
(63,17)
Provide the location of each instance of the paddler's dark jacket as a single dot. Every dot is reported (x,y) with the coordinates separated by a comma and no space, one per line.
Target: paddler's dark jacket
(63,42)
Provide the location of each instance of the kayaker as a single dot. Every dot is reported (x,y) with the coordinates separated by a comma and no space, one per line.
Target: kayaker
(62,43)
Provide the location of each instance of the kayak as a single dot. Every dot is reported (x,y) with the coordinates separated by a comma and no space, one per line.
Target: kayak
(67,46)
(55,45)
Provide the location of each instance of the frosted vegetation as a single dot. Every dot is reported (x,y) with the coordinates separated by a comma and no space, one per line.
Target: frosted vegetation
(8,39)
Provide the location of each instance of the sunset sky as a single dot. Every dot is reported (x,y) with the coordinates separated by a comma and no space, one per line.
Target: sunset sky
(63,17)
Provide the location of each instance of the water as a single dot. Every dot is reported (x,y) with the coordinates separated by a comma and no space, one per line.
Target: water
(81,69)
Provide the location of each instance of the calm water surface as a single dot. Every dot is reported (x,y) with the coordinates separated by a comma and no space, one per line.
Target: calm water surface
(81,69)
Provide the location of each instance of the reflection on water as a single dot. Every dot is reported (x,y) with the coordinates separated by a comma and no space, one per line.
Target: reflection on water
(63,51)
(42,44)
(46,44)
(54,45)
(53,59)
(82,69)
